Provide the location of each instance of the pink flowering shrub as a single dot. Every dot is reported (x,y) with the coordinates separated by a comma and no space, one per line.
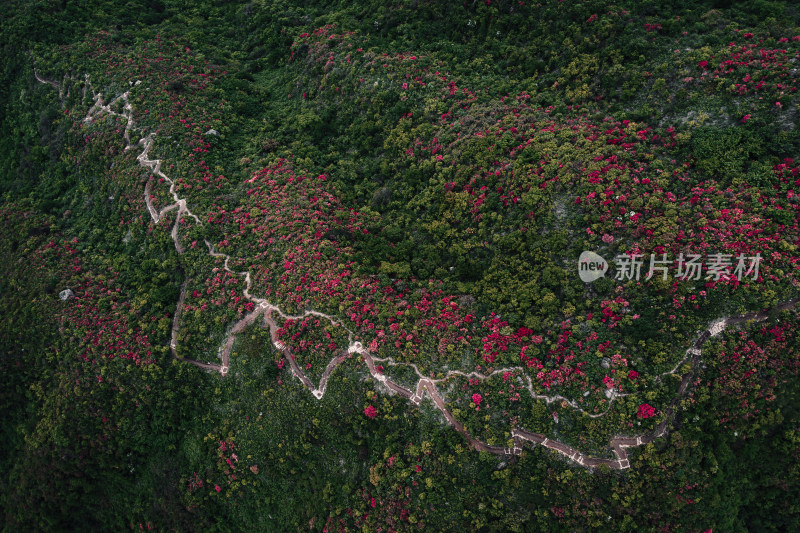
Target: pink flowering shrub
(645,411)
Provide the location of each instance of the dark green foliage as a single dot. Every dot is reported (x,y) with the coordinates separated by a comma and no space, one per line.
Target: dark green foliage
(725,153)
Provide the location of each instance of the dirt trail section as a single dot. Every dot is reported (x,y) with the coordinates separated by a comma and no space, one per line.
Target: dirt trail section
(425,385)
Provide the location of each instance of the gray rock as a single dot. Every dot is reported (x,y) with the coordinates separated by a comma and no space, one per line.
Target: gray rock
(212,132)
(66,294)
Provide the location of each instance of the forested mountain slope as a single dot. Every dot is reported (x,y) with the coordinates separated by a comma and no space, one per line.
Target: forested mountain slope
(282,266)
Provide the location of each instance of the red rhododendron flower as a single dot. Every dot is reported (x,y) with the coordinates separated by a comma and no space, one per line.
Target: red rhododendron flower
(645,411)
(477,399)
(370,411)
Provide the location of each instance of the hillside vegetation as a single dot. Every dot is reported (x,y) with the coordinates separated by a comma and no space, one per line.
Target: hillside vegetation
(387,200)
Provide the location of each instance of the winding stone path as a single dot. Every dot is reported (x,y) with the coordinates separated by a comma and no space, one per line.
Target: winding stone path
(425,385)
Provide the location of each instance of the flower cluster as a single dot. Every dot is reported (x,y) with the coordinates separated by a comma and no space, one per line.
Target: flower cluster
(645,411)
